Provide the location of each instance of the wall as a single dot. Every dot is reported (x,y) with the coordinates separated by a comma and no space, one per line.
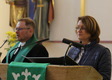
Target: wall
(102,11)
(66,13)
(4,25)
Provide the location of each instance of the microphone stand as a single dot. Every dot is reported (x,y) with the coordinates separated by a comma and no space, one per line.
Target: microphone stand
(67,52)
(1,47)
(3,43)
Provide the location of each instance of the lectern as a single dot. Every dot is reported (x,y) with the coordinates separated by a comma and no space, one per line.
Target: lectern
(55,72)
(60,72)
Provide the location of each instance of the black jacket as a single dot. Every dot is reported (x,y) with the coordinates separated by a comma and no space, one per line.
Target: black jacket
(37,51)
(94,55)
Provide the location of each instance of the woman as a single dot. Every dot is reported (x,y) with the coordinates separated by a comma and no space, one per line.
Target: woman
(93,54)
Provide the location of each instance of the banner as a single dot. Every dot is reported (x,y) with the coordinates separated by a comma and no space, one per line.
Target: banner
(26,71)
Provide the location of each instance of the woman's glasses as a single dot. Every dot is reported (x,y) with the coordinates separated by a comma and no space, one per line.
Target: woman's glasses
(82,28)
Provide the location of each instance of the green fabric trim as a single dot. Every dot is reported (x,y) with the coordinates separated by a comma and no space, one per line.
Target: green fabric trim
(24,51)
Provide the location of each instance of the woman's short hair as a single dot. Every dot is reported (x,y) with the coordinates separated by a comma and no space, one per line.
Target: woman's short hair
(91,27)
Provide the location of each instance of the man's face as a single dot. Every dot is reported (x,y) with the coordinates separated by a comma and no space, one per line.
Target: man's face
(22,32)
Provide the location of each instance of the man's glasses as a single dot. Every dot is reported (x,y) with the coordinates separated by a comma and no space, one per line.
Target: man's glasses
(18,29)
(82,28)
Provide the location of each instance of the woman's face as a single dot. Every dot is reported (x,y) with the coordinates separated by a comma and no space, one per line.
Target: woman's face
(81,32)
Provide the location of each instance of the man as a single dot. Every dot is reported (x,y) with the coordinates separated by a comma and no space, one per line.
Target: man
(26,44)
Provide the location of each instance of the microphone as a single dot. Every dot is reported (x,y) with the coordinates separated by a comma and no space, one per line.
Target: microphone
(3,43)
(40,41)
(67,41)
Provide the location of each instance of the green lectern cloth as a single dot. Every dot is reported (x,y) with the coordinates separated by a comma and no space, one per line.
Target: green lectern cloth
(26,71)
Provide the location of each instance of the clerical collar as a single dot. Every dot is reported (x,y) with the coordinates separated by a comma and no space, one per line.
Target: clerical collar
(21,44)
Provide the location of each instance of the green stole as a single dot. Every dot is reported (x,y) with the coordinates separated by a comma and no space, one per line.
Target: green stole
(24,51)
